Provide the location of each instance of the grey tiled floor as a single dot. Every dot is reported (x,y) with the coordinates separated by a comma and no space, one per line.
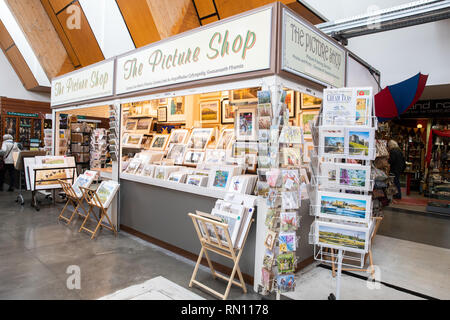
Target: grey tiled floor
(36,250)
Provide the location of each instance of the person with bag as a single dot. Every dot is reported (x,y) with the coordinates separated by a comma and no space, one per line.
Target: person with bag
(397,165)
(7,161)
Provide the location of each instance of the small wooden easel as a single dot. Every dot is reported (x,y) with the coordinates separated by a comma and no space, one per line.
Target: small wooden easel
(92,199)
(224,249)
(73,199)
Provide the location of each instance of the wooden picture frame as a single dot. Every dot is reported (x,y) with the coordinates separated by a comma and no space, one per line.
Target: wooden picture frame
(209,111)
(162,114)
(291,103)
(131,124)
(227,111)
(309,102)
(144,125)
(249,95)
(305,117)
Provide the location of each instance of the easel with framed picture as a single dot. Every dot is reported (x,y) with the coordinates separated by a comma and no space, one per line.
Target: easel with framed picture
(214,237)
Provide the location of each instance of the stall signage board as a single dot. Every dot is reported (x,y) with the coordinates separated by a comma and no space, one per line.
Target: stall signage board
(309,54)
(428,109)
(89,83)
(237,46)
(20,114)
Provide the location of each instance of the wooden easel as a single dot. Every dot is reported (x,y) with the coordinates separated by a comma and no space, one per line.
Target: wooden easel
(92,199)
(72,199)
(369,255)
(226,250)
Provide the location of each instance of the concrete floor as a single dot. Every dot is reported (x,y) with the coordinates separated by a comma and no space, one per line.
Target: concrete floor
(36,250)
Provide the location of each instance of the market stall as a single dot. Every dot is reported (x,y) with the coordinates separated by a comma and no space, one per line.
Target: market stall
(183,106)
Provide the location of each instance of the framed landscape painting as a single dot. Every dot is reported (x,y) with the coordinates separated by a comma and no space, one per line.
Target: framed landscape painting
(209,111)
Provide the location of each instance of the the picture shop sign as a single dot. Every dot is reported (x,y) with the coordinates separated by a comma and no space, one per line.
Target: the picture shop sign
(307,53)
(237,46)
(94,82)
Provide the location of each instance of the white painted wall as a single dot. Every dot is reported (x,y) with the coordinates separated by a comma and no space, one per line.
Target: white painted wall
(108,26)
(400,54)
(11,87)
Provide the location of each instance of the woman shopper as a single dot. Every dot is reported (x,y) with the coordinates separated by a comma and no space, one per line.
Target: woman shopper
(8,148)
(398,165)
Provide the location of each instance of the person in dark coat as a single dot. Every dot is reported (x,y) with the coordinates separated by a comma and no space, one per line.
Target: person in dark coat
(398,165)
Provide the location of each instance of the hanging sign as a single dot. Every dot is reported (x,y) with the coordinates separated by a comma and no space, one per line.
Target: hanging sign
(237,46)
(309,54)
(88,83)
(20,114)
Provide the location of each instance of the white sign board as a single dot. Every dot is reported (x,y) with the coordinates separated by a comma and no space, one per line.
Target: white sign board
(309,54)
(240,45)
(89,83)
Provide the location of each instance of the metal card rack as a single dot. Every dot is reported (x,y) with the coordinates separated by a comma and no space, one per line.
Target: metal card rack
(342,258)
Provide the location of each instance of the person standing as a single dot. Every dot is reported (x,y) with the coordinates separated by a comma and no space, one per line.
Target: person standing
(8,148)
(397,164)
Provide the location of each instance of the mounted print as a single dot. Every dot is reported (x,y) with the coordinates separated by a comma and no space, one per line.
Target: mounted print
(178,136)
(162,114)
(144,125)
(175,112)
(225,139)
(246,125)
(159,141)
(199,138)
(209,111)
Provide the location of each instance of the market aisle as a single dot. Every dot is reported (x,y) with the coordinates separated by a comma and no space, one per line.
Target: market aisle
(409,265)
(36,251)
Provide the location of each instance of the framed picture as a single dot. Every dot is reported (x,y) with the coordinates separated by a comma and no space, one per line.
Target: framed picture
(291,157)
(245,126)
(343,206)
(270,239)
(159,141)
(144,125)
(332,141)
(176,152)
(162,114)
(249,95)
(310,102)
(162,101)
(209,111)
(341,236)
(305,117)
(199,138)
(225,139)
(178,136)
(175,112)
(360,143)
(192,158)
(131,124)
(290,103)
(227,114)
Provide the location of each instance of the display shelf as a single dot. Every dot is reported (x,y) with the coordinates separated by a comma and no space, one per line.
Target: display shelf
(202,191)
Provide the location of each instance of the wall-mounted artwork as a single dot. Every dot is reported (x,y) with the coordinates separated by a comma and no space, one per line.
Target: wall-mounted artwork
(209,111)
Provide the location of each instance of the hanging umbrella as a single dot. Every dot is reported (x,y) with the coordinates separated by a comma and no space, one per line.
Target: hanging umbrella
(394,100)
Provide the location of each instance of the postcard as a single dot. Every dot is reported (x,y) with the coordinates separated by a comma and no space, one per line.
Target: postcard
(332,141)
(272,198)
(263,96)
(176,153)
(353,176)
(264,162)
(290,200)
(343,206)
(328,174)
(286,263)
(360,143)
(286,283)
(271,218)
(274,178)
(364,98)
(291,179)
(291,157)
(287,241)
(220,177)
(341,236)
(263,135)
(264,123)
(268,259)
(270,239)
(290,134)
(265,110)
(266,279)
(288,221)
(262,189)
